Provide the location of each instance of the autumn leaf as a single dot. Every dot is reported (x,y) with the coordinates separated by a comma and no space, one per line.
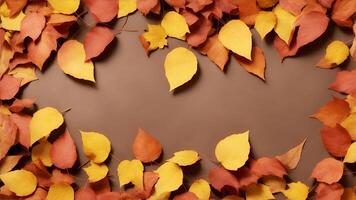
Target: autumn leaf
(256,65)
(145,147)
(342,12)
(146,6)
(296,191)
(285,23)
(126,7)
(75,66)
(336,140)
(63,152)
(156,37)
(15,6)
(12,23)
(322,170)
(291,158)
(201,189)
(20,104)
(336,53)
(85,193)
(293,6)
(236,36)
(220,178)
(60,191)
(170,179)
(350,125)
(180,66)
(185,157)
(275,184)
(266,166)
(345,82)
(258,192)
(175,25)
(96,172)
(41,152)
(104,10)
(131,172)
(96,41)
(44,121)
(325,191)
(248,10)
(8,163)
(215,51)
(199,32)
(32,26)
(265,22)
(21,182)
(96,146)
(266,3)
(233,151)
(350,156)
(65,7)
(22,122)
(9,87)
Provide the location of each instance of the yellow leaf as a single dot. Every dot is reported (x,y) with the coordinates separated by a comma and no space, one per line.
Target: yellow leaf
(96,172)
(266,3)
(232,197)
(71,59)
(65,6)
(349,194)
(4,109)
(352,103)
(275,184)
(232,152)
(185,158)
(156,36)
(170,178)
(12,23)
(350,125)
(265,22)
(130,172)
(25,72)
(60,191)
(8,163)
(258,192)
(175,25)
(296,191)
(336,53)
(201,189)
(236,36)
(285,23)
(43,122)
(351,154)
(42,152)
(4,9)
(180,66)
(96,146)
(126,7)
(20,182)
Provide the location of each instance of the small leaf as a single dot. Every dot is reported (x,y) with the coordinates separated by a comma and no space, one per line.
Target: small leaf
(175,25)
(351,154)
(291,158)
(185,158)
(96,172)
(96,146)
(265,22)
(131,172)
(322,170)
(201,189)
(156,37)
(20,182)
(145,147)
(336,53)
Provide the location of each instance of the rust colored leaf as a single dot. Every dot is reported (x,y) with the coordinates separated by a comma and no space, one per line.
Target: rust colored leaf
(41,173)
(22,122)
(326,3)
(59,177)
(63,152)
(9,86)
(246,177)
(342,12)
(85,193)
(215,51)
(198,5)
(266,166)
(345,82)
(103,10)
(248,11)
(293,6)
(8,132)
(15,6)
(39,51)
(176,3)
(220,178)
(32,26)
(146,6)
(186,196)
(291,158)
(145,147)
(96,41)
(39,194)
(257,65)
(333,112)
(189,16)
(19,104)
(102,186)
(149,181)
(336,140)
(199,32)
(328,192)
(329,171)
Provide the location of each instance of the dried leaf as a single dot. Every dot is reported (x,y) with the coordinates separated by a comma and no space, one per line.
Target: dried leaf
(256,65)
(185,158)
(9,86)
(175,25)
(146,6)
(236,36)
(336,53)
(85,193)
(350,156)
(145,147)
(44,121)
(96,146)
(199,32)
(20,182)
(267,3)
(59,177)
(336,140)
(103,10)
(96,172)
(186,196)
(131,172)
(322,170)
(215,51)
(291,158)
(233,151)
(63,152)
(96,41)
(293,6)
(342,12)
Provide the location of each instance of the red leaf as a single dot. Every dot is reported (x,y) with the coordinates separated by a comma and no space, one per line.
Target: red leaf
(258,64)
(266,166)
(96,41)
(333,112)
(197,5)
(186,196)
(85,193)
(248,11)
(8,132)
(189,16)
(22,122)
(59,177)
(103,10)
(215,51)
(63,152)
(336,140)
(9,86)
(176,3)
(39,51)
(15,6)
(220,178)
(145,147)
(19,104)
(246,177)
(293,6)
(343,11)
(32,26)
(329,171)
(199,32)
(146,6)
(329,192)
(345,82)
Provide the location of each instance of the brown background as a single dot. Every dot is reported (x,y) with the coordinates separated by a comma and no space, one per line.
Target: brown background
(132,92)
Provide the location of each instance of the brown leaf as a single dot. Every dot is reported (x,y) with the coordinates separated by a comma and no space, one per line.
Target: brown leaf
(291,158)
(19,104)
(9,86)
(245,177)
(186,196)
(336,140)
(199,32)
(15,6)
(333,112)
(96,41)
(258,64)
(146,6)
(103,10)
(266,166)
(32,26)
(342,12)
(145,147)
(293,6)
(220,178)
(215,51)
(22,122)
(329,171)
(345,82)
(63,151)
(8,132)
(329,192)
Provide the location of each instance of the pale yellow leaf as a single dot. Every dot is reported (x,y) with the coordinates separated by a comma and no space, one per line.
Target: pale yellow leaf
(296,191)
(41,152)
(175,25)
(25,72)
(60,191)
(131,172)
(20,182)
(285,23)
(65,6)
(12,23)
(96,172)
(126,7)
(350,125)
(170,179)
(185,158)
(96,146)
(351,154)
(265,22)
(156,36)
(336,53)
(201,189)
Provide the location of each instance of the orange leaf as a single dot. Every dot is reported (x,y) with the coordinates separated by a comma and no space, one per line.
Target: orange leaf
(257,65)
(63,152)
(266,166)
(145,147)
(215,51)
(146,6)
(96,41)
(103,10)
(342,12)
(19,104)
(15,6)
(85,193)
(293,6)
(291,158)
(8,132)
(32,26)
(329,171)
(22,122)
(9,86)
(327,192)
(336,140)
(345,82)
(220,178)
